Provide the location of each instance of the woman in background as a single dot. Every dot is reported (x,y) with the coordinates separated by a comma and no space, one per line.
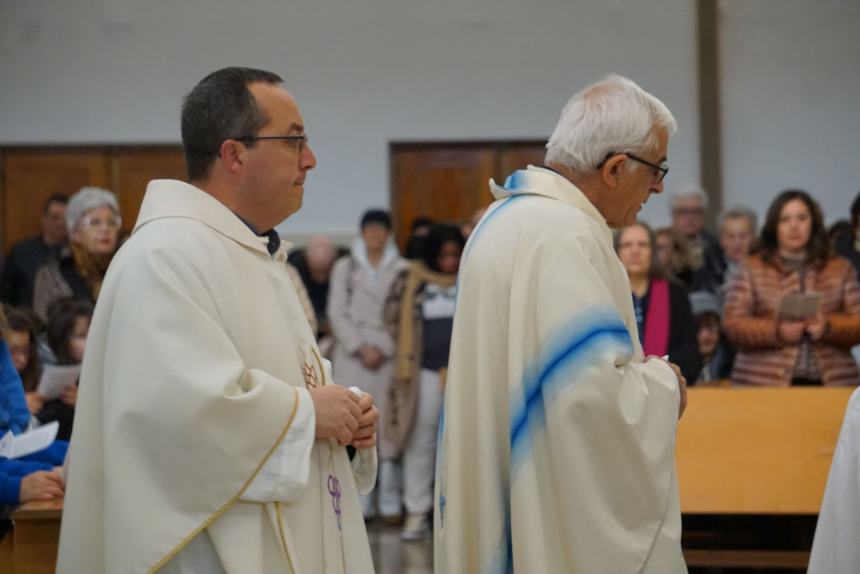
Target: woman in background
(663,313)
(93,220)
(420,313)
(793,257)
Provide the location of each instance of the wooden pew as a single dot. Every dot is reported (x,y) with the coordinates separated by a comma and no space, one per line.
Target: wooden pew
(756,451)
(31,547)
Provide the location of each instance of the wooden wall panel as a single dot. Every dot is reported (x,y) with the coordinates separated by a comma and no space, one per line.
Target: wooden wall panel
(444,183)
(518,157)
(30,176)
(134,169)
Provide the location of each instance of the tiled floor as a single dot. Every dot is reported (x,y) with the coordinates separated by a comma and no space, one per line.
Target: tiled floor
(392,556)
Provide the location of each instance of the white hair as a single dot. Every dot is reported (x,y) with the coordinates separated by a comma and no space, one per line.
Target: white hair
(688,191)
(614,115)
(85,200)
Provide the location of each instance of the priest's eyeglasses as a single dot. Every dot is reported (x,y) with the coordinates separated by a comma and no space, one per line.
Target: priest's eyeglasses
(300,139)
(659,171)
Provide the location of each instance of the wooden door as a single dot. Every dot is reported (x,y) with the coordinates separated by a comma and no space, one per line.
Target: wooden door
(33,175)
(133,169)
(445,183)
(449,182)
(519,156)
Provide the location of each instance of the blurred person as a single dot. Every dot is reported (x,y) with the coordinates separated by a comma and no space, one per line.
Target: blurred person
(470,224)
(793,257)
(93,223)
(314,264)
(24,348)
(364,348)
(209,435)
(546,364)
(675,257)
(661,306)
(737,230)
(847,244)
(28,256)
(420,312)
(717,355)
(687,207)
(14,414)
(66,331)
(418,231)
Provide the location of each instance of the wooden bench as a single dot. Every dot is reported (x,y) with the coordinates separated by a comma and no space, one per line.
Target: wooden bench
(31,547)
(756,451)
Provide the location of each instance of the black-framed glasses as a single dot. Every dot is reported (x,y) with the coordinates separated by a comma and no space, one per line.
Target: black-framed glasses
(301,139)
(659,171)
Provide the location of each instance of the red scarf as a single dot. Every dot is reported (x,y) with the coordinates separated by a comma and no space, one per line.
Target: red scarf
(656,341)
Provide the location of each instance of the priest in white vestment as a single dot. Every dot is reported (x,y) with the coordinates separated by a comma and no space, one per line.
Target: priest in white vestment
(209,436)
(557,440)
(836,548)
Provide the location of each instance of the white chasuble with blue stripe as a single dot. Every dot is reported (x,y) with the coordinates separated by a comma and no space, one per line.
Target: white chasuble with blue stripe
(557,438)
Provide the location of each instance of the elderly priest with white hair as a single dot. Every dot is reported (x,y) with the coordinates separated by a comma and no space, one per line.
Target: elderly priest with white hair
(558,435)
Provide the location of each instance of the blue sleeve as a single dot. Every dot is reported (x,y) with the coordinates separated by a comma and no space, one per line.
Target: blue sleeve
(10,489)
(12,400)
(22,468)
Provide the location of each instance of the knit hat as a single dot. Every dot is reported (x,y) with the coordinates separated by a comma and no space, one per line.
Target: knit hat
(704,302)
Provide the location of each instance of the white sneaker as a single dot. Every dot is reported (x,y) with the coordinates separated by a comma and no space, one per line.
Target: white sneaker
(416,527)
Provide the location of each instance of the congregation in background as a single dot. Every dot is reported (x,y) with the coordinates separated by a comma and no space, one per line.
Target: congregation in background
(715,304)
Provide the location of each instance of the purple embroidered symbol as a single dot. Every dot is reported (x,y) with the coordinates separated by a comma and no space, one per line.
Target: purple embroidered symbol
(334,491)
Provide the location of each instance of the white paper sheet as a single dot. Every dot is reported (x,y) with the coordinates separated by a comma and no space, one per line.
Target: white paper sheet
(55,379)
(30,441)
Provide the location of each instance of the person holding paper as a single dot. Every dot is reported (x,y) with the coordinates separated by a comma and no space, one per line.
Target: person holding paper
(793,308)
(558,434)
(209,435)
(22,481)
(66,332)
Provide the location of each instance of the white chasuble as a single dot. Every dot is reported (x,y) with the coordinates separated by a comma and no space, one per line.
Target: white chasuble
(836,547)
(194,429)
(557,437)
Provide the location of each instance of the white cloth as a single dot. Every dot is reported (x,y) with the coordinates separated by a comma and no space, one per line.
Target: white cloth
(194,377)
(419,456)
(557,446)
(836,548)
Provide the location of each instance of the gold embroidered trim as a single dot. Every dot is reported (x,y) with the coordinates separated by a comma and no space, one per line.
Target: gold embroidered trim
(185,541)
(283,537)
(319,363)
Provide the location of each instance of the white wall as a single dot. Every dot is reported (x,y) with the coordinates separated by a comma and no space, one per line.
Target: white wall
(364,73)
(791,101)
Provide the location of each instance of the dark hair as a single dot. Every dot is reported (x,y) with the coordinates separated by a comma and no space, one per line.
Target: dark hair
(19,320)
(218,108)
(54,198)
(61,325)
(435,240)
(376,216)
(818,248)
(655,271)
(421,221)
(855,211)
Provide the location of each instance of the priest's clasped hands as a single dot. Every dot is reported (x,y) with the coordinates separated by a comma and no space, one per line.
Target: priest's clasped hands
(344,416)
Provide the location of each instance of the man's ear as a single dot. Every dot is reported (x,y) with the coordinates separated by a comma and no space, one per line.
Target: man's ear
(231,155)
(611,171)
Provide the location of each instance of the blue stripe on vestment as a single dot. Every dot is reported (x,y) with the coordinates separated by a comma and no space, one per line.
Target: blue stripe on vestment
(479,229)
(579,345)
